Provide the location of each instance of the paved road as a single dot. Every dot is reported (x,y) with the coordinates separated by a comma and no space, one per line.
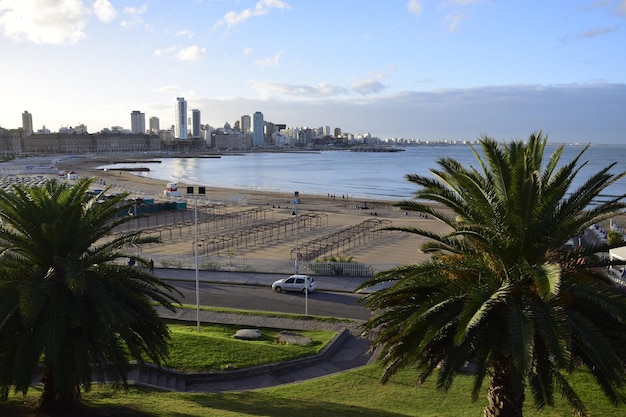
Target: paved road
(262,298)
(335,295)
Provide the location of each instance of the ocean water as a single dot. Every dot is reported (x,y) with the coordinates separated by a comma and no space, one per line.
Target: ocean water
(366,175)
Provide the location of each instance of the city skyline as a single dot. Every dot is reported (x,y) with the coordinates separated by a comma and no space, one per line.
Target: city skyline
(452,69)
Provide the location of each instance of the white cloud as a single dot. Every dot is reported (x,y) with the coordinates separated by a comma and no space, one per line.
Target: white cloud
(182,53)
(268,90)
(261,8)
(167,51)
(591,33)
(452,21)
(414,7)
(135,16)
(587,113)
(169,89)
(185,33)
(368,86)
(104,11)
(466,2)
(43,21)
(136,10)
(621,8)
(247,51)
(270,62)
(190,54)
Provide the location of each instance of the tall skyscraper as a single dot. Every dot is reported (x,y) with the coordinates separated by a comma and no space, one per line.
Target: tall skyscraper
(154,125)
(27,123)
(258,135)
(245,123)
(180,117)
(195,124)
(137,122)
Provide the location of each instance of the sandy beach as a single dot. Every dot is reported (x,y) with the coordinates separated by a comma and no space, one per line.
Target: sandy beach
(261,224)
(331,214)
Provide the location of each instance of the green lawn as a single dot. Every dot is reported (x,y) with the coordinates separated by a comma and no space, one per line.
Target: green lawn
(215,348)
(353,393)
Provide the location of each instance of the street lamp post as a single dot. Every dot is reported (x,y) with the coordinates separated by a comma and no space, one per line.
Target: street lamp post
(296,201)
(201,190)
(295,206)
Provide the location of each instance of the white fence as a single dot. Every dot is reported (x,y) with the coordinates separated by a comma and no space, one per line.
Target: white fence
(245,264)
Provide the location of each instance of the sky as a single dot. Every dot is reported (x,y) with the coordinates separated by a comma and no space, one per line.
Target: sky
(420,69)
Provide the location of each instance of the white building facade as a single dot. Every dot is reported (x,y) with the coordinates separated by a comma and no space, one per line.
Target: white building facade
(154,125)
(137,122)
(180,116)
(195,124)
(258,129)
(245,123)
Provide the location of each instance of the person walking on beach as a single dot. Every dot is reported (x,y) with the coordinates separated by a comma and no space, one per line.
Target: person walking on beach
(151,262)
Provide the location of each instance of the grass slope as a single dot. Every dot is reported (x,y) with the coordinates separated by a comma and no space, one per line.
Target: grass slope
(353,393)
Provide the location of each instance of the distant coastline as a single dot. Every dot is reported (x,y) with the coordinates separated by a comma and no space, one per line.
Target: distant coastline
(366,175)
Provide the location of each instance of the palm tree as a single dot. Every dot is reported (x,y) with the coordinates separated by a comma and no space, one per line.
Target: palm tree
(65,303)
(500,296)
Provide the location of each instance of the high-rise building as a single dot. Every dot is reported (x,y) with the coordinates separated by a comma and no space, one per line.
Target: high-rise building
(245,123)
(180,117)
(154,125)
(269,133)
(137,122)
(195,124)
(27,123)
(258,135)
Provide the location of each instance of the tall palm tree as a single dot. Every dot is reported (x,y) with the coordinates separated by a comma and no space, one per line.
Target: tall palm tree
(500,291)
(65,303)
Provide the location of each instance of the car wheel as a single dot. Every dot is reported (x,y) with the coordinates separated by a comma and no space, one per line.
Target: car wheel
(303,290)
(278,289)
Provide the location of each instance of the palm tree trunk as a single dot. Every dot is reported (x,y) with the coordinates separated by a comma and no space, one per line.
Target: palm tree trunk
(502,398)
(54,401)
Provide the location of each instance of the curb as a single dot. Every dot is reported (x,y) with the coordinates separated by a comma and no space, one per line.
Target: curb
(148,375)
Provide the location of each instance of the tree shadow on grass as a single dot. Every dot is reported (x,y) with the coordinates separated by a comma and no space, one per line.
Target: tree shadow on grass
(29,409)
(246,403)
(266,404)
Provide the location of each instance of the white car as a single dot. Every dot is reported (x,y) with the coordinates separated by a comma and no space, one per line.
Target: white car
(294,283)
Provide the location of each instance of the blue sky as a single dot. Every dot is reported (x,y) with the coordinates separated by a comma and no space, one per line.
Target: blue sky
(452,69)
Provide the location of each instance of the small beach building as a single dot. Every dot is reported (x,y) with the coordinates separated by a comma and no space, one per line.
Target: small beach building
(619,254)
